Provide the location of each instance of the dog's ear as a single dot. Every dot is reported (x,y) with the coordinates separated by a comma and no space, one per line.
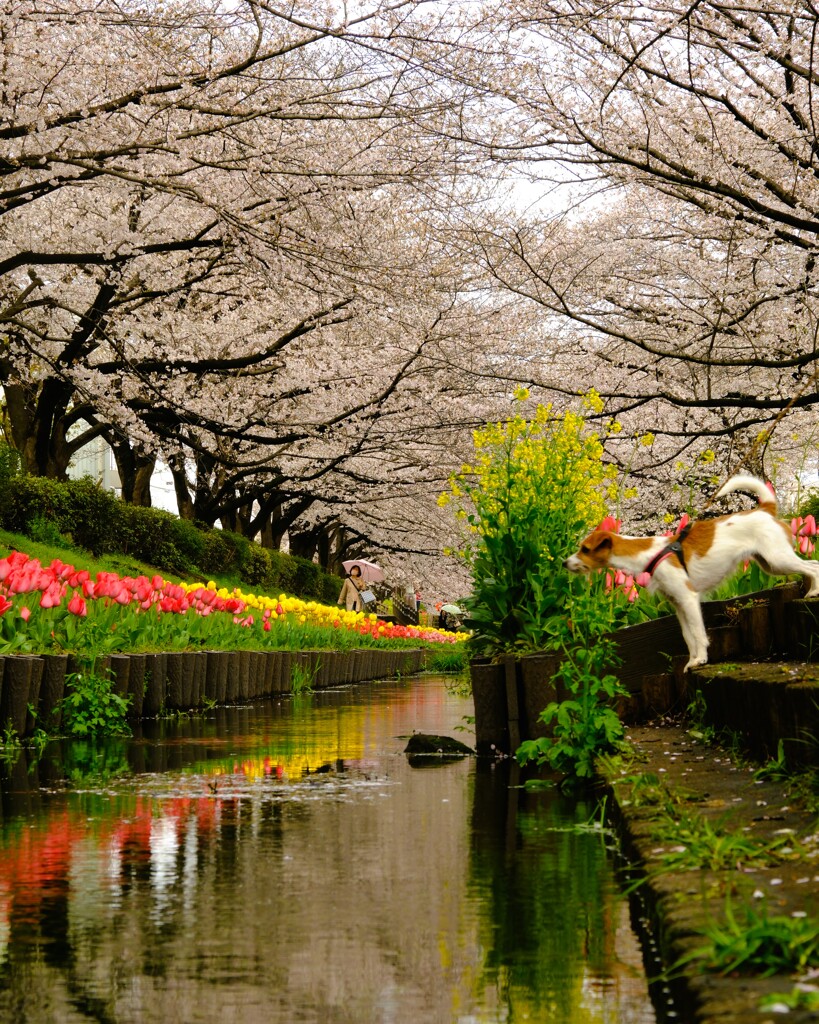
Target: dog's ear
(598,543)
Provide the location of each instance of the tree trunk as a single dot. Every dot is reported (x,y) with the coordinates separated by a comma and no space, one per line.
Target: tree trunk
(176,464)
(37,421)
(135,471)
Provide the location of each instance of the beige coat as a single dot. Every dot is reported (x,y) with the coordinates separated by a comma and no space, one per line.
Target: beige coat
(350,595)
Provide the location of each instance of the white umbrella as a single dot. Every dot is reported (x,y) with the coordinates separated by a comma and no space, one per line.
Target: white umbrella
(451,609)
(370,572)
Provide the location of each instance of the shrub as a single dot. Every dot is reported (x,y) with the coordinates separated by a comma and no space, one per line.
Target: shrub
(45,531)
(255,568)
(283,568)
(218,553)
(187,541)
(88,513)
(306,576)
(157,537)
(81,512)
(9,466)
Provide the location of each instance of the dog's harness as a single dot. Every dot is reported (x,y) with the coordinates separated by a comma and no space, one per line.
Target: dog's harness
(673,547)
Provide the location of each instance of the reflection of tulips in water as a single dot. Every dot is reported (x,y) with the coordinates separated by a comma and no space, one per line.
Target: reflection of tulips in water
(59,606)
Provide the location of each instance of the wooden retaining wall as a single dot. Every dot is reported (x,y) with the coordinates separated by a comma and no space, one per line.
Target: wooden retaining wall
(769,625)
(32,688)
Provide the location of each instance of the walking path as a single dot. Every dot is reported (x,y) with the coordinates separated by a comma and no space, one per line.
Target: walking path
(699,783)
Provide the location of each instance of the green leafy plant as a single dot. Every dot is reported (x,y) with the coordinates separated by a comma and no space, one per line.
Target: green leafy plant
(10,745)
(587,724)
(39,740)
(776,769)
(90,705)
(698,727)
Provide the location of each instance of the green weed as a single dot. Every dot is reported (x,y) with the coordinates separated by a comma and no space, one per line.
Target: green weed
(755,941)
(800,997)
(302,679)
(451,658)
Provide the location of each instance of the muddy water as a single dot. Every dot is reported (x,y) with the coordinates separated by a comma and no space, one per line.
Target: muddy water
(288,863)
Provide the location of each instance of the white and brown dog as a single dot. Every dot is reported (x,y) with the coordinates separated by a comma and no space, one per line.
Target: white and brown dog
(701,557)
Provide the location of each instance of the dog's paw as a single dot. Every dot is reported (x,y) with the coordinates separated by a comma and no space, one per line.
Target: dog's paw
(696,662)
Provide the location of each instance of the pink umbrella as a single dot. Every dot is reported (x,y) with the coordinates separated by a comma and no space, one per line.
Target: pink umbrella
(370,572)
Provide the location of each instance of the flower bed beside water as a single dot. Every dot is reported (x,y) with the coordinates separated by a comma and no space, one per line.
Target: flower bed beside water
(84,653)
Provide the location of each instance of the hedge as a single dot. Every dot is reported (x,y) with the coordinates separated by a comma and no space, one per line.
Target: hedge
(96,520)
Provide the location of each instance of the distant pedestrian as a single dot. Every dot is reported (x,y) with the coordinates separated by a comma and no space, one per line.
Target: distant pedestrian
(350,595)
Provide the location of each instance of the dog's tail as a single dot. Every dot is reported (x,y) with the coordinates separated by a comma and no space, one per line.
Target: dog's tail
(753,485)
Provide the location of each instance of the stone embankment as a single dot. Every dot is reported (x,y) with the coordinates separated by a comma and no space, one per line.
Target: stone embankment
(721,843)
(665,802)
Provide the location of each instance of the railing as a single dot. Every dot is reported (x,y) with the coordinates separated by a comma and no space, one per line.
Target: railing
(405,613)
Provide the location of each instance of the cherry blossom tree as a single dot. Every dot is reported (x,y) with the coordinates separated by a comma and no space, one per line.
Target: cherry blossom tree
(672,249)
(187,194)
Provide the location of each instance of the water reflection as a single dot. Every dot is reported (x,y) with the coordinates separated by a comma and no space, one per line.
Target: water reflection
(287,863)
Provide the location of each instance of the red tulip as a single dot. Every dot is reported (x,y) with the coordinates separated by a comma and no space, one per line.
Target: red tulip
(611,524)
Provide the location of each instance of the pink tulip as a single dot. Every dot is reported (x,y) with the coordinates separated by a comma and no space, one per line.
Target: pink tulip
(643,579)
(77,605)
(25,613)
(51,597)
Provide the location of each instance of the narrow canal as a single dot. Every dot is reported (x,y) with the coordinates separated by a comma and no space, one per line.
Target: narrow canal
(288,862)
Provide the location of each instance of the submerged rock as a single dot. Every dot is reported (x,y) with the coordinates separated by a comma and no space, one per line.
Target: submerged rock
(427,743)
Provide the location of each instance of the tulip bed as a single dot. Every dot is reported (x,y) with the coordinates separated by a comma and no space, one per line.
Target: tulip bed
(59,607)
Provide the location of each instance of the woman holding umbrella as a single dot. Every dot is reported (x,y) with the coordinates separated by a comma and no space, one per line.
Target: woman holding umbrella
(350,595)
